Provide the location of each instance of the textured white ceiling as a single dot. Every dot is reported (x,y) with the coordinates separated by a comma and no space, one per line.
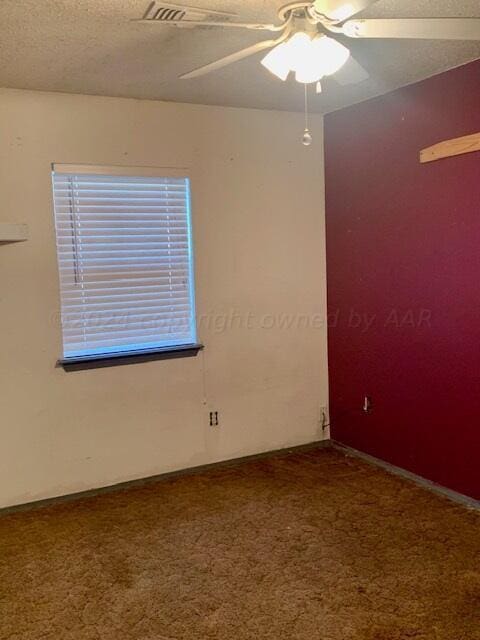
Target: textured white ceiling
(92,47)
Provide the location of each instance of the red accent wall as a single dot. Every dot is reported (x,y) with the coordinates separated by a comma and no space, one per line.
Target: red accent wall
(403,268)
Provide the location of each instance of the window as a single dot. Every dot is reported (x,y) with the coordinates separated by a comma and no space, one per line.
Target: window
(124,250)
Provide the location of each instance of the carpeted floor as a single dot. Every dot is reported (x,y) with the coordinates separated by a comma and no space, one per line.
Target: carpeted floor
(310,546)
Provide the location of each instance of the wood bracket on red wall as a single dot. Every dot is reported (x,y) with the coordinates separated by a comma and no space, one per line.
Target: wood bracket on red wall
(448,148)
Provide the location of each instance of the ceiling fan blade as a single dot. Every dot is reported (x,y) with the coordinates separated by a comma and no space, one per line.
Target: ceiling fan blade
(340,10)
(233,57)
(185,23)
(352,72)
(421,28)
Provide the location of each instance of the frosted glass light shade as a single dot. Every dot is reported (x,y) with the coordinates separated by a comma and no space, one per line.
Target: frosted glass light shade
(332,55)
(277,61)
(325,56)
(298,49)
(287,56)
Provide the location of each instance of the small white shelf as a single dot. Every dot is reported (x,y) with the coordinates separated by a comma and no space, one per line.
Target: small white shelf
(13,232)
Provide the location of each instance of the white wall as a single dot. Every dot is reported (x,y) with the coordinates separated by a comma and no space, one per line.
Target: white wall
(258,215)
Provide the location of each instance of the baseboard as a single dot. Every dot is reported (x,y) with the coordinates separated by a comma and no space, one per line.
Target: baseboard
(45,502)
(459,498)
(398,471)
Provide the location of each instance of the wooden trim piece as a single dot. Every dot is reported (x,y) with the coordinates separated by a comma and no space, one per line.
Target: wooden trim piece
(448,148)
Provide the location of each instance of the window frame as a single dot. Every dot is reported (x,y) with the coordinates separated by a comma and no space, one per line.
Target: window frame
(89,361)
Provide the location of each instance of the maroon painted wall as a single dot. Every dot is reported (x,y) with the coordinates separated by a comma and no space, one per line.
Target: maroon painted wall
(403,268)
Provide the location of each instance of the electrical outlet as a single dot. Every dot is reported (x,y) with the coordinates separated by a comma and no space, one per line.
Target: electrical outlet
(213,419)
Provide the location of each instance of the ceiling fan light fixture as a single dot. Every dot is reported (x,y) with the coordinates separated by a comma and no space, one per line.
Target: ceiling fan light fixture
(310,59)
(302,44)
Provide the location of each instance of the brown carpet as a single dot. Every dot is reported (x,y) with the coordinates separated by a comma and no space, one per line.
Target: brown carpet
(308,546)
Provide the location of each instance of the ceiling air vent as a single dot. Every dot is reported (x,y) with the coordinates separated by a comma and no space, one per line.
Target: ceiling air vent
(169,12)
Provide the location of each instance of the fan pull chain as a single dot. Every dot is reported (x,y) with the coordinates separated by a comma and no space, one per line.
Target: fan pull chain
(307,136)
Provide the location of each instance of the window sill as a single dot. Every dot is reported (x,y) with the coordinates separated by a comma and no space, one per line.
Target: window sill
(128,357)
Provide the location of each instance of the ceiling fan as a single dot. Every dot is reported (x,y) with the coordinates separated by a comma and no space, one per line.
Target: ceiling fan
(306,36)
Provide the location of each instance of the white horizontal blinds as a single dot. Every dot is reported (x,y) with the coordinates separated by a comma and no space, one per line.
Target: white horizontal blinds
(125,262)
